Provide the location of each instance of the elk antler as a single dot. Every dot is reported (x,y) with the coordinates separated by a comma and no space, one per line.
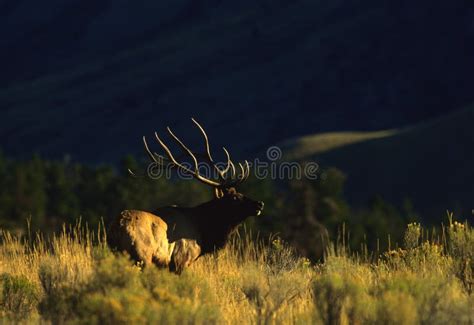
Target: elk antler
(227,176)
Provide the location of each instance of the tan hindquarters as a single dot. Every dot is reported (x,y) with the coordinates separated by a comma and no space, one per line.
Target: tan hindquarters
(143,236)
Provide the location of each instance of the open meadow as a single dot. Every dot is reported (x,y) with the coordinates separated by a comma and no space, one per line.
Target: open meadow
(73,277)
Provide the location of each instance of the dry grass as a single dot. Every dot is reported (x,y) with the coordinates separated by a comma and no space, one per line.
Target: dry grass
(73,277)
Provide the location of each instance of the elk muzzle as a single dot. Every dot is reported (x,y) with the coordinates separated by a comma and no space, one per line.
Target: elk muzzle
(259,209)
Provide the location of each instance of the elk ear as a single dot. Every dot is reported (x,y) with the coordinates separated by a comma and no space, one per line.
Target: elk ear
(218,192)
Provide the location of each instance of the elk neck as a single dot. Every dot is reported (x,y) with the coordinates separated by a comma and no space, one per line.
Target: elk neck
(217,222)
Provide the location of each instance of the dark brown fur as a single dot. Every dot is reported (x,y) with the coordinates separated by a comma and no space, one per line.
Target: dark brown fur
(209,223)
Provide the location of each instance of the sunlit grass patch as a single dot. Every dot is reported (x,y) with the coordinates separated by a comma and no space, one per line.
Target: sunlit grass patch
(73,277)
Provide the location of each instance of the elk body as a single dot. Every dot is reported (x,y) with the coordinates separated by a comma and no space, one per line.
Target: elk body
(175,236)
(143,236)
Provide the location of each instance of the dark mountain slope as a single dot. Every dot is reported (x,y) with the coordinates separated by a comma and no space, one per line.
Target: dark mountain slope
(431,164)
(90,78)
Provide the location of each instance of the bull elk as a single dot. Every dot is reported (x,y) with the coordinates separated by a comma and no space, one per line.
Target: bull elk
(175,236)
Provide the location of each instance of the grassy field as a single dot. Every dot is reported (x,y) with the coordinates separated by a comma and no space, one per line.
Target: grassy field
(74,278)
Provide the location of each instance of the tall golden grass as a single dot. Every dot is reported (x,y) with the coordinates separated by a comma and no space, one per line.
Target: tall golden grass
(72,277)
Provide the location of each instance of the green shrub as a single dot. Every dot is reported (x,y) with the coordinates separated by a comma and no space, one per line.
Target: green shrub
(460,245)
(119,292)
(460,239)
(412,235)
(397,308)
(197,302)
(339,298)
(114,306)
(114,294)
(19,296)
(60,293)
(437,300)
(268,294)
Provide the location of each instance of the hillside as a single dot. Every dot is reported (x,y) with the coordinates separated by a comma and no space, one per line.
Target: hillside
(431,163)
(90,78)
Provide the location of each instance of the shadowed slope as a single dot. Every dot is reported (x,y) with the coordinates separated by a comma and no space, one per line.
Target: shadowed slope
(431,163)
(74,70)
